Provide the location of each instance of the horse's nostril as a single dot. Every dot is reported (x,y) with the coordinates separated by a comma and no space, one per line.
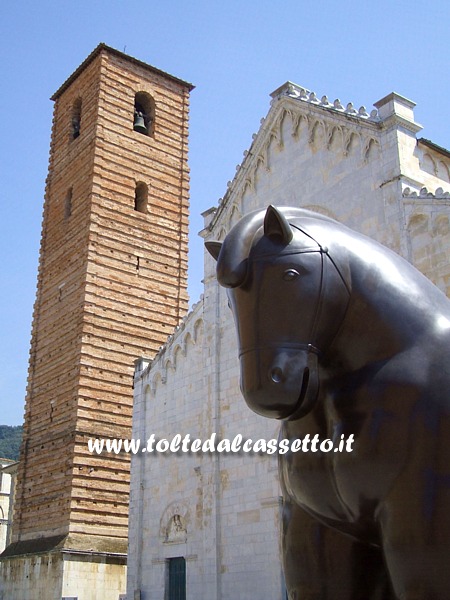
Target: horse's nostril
(276,375)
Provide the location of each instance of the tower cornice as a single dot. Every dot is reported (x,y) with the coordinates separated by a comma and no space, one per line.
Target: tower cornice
(105,48)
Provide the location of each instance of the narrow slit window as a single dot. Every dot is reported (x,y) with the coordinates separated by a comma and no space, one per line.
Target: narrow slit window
(76,118)
(141,197)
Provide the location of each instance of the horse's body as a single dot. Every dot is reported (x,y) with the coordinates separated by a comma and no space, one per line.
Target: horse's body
(341,337)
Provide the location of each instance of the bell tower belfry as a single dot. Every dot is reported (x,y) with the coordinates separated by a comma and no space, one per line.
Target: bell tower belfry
(111,286)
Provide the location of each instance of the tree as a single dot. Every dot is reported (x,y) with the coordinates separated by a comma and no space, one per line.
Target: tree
(10,440)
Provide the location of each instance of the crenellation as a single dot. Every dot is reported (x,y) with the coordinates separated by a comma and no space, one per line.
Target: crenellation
(423,193)
(302,94)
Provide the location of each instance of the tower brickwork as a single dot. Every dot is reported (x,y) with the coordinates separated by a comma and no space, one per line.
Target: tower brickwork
(111,286)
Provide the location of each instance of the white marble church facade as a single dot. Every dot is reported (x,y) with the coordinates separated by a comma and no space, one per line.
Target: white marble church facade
(218,513)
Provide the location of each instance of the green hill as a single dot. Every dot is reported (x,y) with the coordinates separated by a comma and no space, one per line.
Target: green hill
(10,439)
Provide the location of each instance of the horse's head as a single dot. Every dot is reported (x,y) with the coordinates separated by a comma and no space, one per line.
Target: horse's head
(288,299)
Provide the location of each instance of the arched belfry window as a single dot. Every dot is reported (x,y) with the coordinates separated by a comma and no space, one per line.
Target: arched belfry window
(76,118)
(144,113)
(141,197)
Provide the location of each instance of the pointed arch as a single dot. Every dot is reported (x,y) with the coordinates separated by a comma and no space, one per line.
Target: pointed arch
(370,149)
(429,164)
(188,341)
(418,223)
(169,364)
(334,135)
(178,351)
(316,130)
(222,234)
(157,380)
(235,215)
(443,171)
(296,118)
(198,329)
(351,141)
(441,225)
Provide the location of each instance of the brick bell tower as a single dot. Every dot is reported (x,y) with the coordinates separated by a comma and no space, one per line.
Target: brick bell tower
(111,286)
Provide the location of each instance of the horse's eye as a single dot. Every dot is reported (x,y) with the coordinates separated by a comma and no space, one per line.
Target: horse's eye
(290,274)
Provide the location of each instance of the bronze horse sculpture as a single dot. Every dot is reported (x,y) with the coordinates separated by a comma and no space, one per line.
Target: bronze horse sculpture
(339,336)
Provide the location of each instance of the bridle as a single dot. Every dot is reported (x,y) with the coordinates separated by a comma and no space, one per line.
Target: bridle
(314,343)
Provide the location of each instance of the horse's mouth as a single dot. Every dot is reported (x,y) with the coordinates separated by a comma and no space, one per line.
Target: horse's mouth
(288,389)
(307,397)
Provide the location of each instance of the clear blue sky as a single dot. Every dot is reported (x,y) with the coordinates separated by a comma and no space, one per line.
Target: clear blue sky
(235,53)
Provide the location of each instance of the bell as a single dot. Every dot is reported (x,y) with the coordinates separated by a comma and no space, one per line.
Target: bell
(139,122)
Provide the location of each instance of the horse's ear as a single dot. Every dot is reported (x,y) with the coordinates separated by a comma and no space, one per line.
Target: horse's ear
(276,225)
(214,248)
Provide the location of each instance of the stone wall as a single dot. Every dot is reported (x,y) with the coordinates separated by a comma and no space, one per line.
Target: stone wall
(218,499)
(365,170)
(56,576)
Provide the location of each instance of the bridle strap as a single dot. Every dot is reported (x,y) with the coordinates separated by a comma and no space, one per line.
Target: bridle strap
(288,346)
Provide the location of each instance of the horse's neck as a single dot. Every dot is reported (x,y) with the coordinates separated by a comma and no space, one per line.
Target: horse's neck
(392,307)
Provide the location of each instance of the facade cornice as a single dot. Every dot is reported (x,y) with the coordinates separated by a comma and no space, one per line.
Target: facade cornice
(399,122)
(9,467)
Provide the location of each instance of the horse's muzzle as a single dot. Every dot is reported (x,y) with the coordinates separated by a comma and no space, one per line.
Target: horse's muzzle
(280,382)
